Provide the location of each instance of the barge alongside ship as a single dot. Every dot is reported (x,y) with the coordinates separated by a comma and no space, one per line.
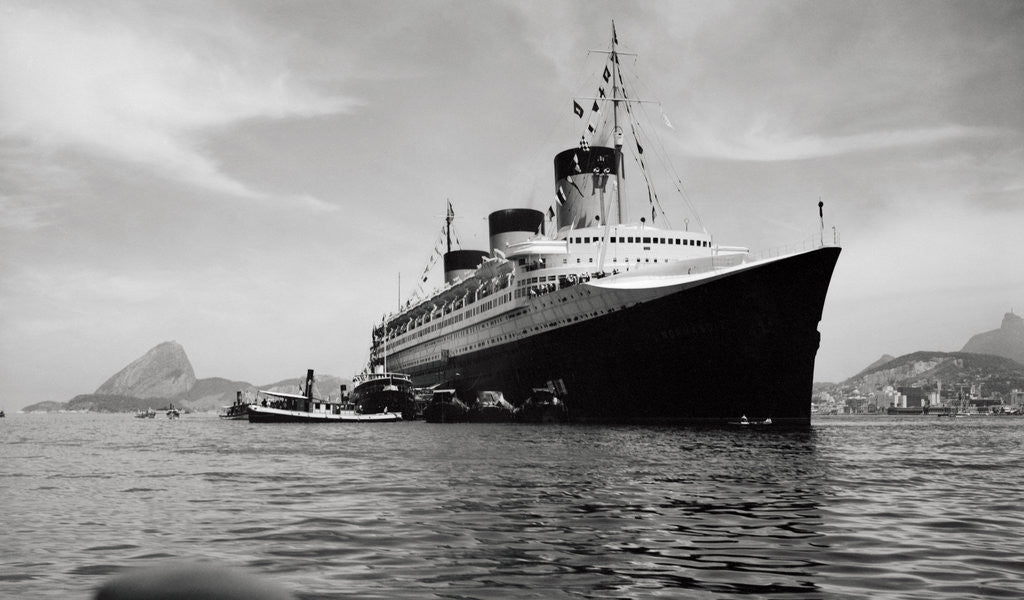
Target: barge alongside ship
(624,321)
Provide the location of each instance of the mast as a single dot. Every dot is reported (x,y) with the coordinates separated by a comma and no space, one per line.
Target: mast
(448,225)
(616,130)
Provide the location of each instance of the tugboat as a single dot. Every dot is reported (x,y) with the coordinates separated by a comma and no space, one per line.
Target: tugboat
(239,411)
(173,413)
(633,320)
(385,392)
(280,407)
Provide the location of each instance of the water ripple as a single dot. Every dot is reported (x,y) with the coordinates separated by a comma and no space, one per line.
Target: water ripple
(853,508)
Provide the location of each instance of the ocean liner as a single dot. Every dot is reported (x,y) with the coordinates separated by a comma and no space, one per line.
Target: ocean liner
(624,321)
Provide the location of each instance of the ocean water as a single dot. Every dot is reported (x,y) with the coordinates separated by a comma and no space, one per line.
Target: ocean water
(879,507)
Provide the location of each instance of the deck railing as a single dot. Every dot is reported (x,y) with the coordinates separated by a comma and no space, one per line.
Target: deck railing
(818,240)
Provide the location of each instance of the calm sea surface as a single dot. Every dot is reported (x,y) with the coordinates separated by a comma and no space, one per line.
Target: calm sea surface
(880,507)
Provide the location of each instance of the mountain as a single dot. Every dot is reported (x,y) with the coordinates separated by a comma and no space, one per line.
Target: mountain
(164,375)
(997,373)
(163,372)
(211,393)
(1007,341)
(881,361)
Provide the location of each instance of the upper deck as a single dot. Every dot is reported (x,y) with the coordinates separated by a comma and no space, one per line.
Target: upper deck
(539,265)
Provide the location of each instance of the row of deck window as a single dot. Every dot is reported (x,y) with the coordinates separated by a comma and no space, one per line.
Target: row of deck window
(643,240)
(420,331)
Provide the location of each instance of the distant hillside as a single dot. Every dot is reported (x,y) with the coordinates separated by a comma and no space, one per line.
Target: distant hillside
(919,368)
(110,403)
(47,406)
(325,386)
(164,375)
(211,394)
(1007,341)
(885,358)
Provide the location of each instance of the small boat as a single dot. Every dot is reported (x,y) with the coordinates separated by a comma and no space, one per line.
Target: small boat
(173,413)
(543,406)
(422,398)
(491,407)
(445,407)
(745,422)
(381,392)
(238,411)
(280,407)
(149,413)
(2,415)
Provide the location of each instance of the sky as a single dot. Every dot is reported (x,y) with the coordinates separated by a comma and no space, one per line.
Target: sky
(262,181)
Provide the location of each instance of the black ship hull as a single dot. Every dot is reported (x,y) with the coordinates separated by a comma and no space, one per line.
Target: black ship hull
(384,395)
(399,401)
(743,343)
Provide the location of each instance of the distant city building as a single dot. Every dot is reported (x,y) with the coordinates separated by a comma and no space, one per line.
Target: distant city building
(912,397)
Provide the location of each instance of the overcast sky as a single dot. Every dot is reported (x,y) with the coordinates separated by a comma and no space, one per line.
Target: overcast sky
(251,178)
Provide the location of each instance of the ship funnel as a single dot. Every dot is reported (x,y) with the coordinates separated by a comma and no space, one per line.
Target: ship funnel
(513,225)
(585,187)
(459,263)
(309,384)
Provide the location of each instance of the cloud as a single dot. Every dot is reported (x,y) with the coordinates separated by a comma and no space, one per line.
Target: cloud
(22,214)
(144,86)
(764,141)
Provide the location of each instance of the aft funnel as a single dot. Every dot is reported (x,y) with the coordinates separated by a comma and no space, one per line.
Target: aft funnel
(514,225)
(459,263)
